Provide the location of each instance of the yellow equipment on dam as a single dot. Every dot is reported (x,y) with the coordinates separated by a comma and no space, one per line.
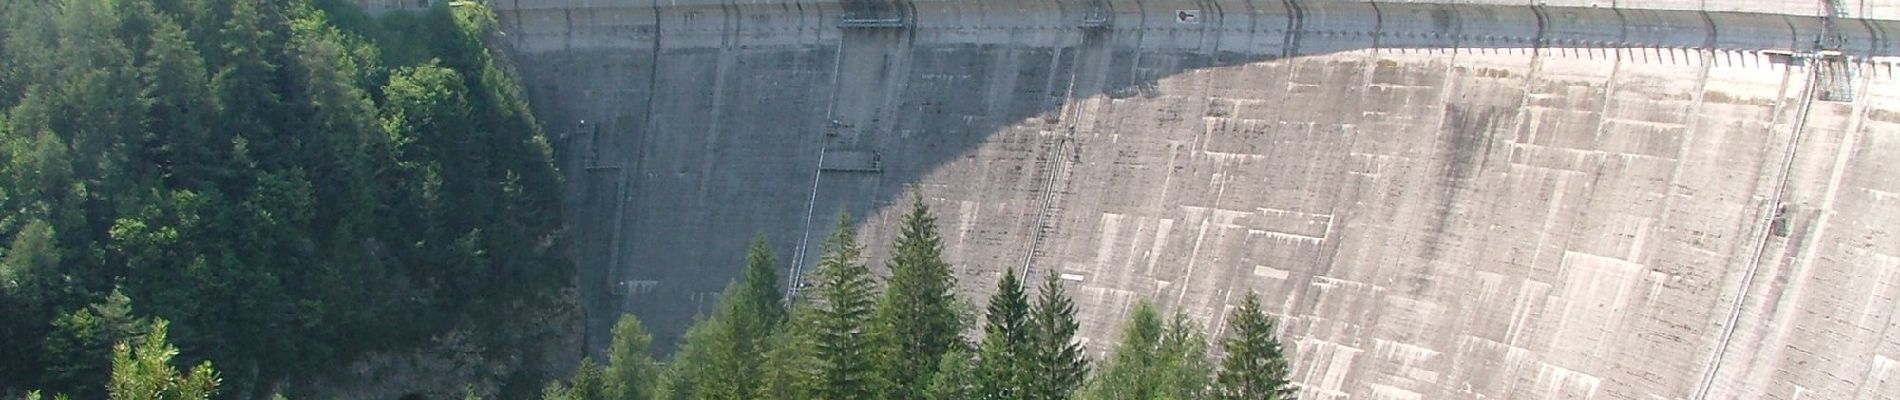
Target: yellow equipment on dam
(1525,199)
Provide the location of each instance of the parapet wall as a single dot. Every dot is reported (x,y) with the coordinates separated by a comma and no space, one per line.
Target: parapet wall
(1438,199)
(1736,25)
(1847,9)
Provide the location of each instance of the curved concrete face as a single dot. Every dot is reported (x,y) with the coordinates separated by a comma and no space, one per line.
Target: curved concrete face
(1439,201)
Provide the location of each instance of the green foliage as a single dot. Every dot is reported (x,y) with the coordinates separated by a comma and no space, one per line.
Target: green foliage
(841,310)
(1254,367)
(1154,362)
(722,356)
(31,263)
(30,279)
(1186,372)
(762,290)
(792,366)
(917,317)
(1127,375)
(80,346)
(1057,365)
(291,187)
(144,371)
(682,377)
(1028,350)
(954,378)
(631,371)
(1005,356)
(587,383)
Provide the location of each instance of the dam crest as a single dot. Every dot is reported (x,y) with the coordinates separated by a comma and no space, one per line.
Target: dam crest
(1438,199)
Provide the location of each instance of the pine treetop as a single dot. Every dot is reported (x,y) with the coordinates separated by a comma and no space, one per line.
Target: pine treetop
(1005,353)
(1060,364)
(843,306)
(1254,367)
(916,318)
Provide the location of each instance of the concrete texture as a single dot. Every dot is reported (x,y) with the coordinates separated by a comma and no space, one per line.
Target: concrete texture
(1439,199)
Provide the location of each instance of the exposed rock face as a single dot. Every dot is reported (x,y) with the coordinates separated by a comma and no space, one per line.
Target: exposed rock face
(1440,201)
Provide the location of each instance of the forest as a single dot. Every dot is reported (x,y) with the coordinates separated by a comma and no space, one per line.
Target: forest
(851,333)
(287,184)
(221,198)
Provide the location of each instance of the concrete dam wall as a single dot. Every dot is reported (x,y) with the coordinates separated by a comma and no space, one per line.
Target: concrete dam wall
(1438,199)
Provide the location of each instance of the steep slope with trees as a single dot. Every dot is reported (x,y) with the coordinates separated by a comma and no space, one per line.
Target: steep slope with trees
(290,183)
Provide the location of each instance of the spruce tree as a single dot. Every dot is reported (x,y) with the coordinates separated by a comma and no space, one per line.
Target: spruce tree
(79,350)
(691,365)
(1185,371)
(916,319)
(843,306)
(144,371)
(1254,367)
(1154,361)
(1005,355)
(1058,364)
(728,343)
(954,378)
(1128,373)
(722,356)
(761,280)
(588,382)
(631,372)
(791,362)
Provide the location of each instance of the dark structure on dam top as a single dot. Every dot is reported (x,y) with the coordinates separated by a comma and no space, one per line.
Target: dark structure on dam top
(1439,199)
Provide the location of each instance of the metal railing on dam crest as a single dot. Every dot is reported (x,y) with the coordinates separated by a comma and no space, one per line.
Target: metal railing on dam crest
(1439,199)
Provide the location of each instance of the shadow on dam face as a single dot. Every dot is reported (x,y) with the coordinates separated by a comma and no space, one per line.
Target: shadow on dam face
(1438,201)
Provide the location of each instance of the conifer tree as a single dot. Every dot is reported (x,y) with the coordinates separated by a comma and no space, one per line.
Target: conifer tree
(916,319)
(1254,367)
(1126,376)
(221,162)
(1154,361)
(722,356)
(842,308)
(588,383)
(761,280)
(1058,364)
(80,347)
(631,372)
(1005,355)
(954,378)
(1185,369)
(692,365)
(144,371)
(791,362)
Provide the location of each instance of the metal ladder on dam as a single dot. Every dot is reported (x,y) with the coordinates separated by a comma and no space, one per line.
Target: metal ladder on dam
(1835,70)
(1057,165)
(1831,77)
